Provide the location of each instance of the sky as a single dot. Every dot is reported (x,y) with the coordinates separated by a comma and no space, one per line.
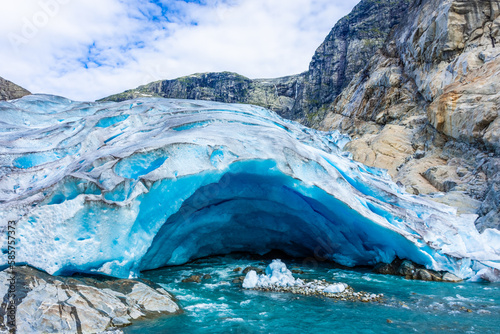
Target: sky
(88,49)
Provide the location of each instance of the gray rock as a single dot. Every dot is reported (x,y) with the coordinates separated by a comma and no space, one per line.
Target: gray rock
(443,178)
(279,95)
(257,270)
(385,269)
(423,274)
(449,277)
(439,65)
(51,304)
(10,91)
(346,51)
(407,268)
(410,270)
(192,279)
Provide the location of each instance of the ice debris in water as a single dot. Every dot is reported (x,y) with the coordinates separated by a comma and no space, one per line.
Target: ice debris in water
(335,288)
(277,276)
(487,274)
(117,188)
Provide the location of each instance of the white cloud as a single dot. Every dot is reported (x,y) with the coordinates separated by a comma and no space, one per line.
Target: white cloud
(88,49)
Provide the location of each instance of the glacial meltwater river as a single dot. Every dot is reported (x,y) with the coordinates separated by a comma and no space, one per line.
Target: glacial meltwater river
(217,305)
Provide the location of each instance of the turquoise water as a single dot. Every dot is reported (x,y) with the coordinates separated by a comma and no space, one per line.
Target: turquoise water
(219,306)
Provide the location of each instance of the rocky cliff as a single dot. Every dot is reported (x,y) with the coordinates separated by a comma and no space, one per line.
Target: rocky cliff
(10,91)
(346,51)
(426,106)
(279,94)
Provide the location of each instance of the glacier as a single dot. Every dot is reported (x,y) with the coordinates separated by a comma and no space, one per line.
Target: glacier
(116,188)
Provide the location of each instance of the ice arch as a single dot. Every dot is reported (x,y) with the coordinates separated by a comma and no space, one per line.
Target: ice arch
(120,187)
(256,208)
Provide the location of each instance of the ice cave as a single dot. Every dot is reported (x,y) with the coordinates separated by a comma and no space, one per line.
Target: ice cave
(116,188)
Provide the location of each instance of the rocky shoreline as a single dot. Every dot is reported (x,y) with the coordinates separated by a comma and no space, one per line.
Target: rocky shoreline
(96,304)
(410,270)
(80,304)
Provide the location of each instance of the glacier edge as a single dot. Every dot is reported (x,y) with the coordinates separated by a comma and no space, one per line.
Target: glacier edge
(117,188)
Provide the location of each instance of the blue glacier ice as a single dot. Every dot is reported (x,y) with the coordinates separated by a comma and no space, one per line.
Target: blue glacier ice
(117,188)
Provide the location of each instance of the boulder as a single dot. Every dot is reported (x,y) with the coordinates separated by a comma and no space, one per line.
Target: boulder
(257,270)
(423,274)
(192,279)
(54,304)
(449,277)
(407,269)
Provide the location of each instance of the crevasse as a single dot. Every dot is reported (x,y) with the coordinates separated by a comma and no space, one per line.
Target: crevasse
(117,188)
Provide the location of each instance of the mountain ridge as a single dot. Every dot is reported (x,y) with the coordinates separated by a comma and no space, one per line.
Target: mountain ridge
(11,91)
(301,97)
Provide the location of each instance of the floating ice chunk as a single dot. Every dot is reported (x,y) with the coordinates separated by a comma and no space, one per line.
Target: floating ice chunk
(251,279)
(276,275)
(335,288)
(279,275)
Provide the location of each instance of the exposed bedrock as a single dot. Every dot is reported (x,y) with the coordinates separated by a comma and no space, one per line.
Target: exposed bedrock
(426,106)
(10,91)
(52,304)
(345,51)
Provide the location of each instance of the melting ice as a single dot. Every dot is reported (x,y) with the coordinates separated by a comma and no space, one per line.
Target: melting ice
(117,188)
(277,275)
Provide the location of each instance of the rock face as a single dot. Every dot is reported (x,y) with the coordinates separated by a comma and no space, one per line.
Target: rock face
(426,105)
(345,51)
(279,95)
(51,304)
(10,91)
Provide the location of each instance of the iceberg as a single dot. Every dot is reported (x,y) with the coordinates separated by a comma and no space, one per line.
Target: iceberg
(276,274)
(116,188)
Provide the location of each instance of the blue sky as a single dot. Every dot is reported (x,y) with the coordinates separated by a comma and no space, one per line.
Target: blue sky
(88,49)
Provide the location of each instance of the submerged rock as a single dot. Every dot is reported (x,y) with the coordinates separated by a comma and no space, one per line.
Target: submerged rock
(297,271)
(52,304)
(192,278)
(257,270)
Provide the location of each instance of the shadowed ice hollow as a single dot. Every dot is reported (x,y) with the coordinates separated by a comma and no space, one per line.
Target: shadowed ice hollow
(117,188)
